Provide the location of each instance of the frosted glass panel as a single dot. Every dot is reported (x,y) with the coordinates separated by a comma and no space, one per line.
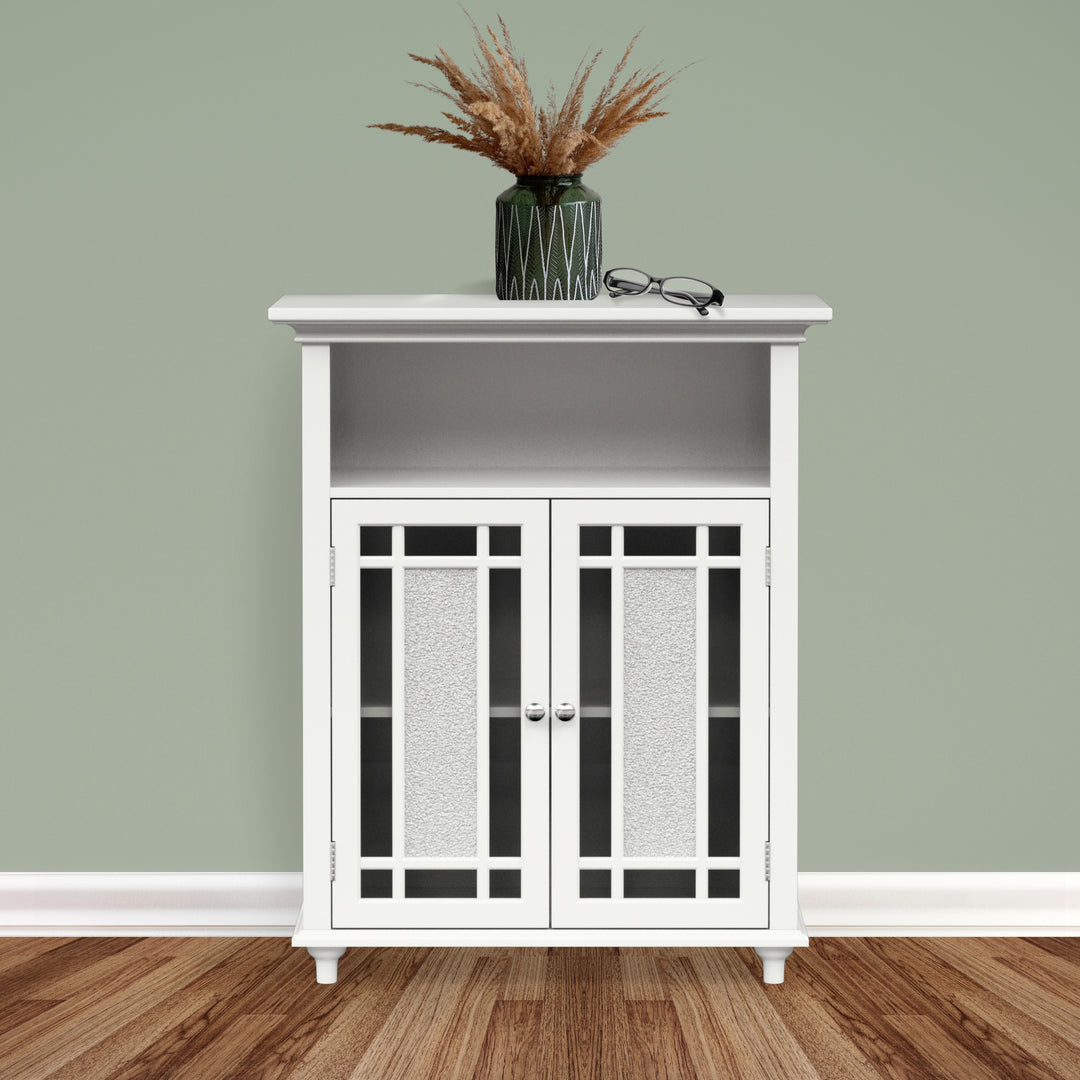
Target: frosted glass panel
(659,706)
(440,712)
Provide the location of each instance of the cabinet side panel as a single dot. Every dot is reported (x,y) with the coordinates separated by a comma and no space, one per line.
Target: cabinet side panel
(315,504)
(783,634)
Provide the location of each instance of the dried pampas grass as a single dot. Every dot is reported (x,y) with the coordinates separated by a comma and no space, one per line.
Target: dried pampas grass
(500,120)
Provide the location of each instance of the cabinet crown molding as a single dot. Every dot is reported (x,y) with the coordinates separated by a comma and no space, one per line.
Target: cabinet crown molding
(330,319)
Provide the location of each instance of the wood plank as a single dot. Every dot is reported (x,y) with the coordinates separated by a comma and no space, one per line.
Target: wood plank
(951,1061)
(17,950)
(304,1019)
(84,977)
(862,959)
(1055,976)
(64,1031)
(463,1042)
(412,1036)
(731,986)
(239,992)
(1056,1054)
(716,1047)
(33,975)
(1066,948)
(528,973)
(1026,994)
(640,976)
(579,1016)
(213,971)
(188,1033)
(290,977)
(826,974)
(654,1046)
(337,1031)
(232,1043)
(14,1013)
(939,987)
(513,1043)
(828,1048)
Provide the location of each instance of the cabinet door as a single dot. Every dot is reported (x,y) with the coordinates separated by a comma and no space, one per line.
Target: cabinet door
(440,783)
(660,779)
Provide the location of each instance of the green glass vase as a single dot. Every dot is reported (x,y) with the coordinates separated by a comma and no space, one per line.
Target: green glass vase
(547,240)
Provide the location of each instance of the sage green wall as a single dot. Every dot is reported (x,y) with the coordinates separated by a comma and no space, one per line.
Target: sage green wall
(171,169)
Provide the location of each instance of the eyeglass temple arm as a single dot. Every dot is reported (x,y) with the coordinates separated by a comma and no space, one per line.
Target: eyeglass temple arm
(624,286)
(717,298)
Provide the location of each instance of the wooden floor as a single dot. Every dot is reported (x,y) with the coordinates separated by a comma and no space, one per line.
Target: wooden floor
(851,1008)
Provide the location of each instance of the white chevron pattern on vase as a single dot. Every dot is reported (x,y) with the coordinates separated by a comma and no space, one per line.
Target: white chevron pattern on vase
(547,252)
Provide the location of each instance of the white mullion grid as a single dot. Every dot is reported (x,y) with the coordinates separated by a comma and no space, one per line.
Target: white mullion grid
(701,753)
(397,699)
(493,710)
(439,562)
(719,562)
(483,752)
(658,862)
(617,770)
(456,862)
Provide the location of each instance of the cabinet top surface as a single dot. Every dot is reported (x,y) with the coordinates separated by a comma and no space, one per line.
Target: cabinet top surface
(324,317)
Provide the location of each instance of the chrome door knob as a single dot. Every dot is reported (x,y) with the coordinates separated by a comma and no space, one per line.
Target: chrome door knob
(535,711)
(565,711)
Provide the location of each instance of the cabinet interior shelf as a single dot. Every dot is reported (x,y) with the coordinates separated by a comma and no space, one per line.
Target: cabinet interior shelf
(746,483)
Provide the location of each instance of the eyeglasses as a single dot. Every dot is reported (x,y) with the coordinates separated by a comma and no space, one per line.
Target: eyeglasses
(689,292)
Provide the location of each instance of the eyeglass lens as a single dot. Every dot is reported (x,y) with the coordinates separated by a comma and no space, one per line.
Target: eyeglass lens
(690,291)
(626,280)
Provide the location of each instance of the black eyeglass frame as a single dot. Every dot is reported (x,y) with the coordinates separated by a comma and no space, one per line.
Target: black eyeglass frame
(618,287)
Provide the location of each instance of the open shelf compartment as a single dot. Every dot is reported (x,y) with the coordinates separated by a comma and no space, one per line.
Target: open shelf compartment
(451,416)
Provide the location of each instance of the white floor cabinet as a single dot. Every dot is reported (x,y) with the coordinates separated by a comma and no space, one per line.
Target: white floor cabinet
(549,601)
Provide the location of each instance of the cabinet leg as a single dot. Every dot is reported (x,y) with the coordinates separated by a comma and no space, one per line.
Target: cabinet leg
(326,958)
(772,961)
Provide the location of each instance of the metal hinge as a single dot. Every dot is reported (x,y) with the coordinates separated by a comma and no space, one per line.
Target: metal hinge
(768,567)
(768,861)
(333,861)
(333,567)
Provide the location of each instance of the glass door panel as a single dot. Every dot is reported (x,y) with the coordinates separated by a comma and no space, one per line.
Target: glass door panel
(660,635)
(440,624)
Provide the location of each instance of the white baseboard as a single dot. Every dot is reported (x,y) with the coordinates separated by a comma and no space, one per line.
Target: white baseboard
(149,905)
(258,905)
(941,904)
